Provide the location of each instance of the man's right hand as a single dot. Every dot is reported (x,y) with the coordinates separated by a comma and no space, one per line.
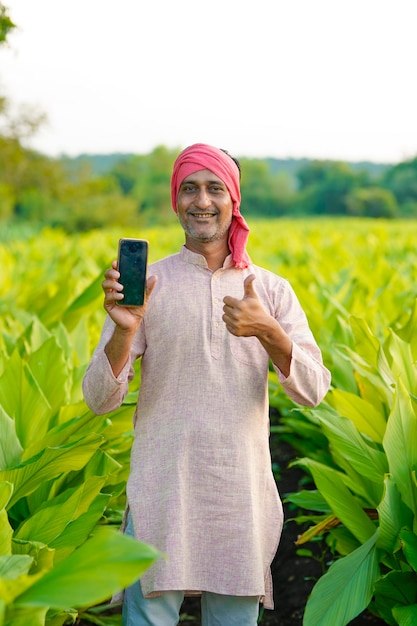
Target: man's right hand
(128,319)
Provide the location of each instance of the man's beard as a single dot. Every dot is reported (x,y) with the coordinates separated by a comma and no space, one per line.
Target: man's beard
(205,237)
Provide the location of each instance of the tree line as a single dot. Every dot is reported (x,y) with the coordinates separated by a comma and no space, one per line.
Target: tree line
(134,189)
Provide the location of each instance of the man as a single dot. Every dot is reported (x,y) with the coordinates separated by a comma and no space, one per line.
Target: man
(201,488)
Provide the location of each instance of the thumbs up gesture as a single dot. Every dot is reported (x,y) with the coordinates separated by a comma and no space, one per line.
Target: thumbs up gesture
(246,317)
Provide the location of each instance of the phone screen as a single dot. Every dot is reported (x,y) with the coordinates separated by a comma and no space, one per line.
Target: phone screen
(132,262)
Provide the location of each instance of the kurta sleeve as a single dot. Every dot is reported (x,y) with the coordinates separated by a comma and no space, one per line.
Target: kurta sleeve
(309,379)
(103,391)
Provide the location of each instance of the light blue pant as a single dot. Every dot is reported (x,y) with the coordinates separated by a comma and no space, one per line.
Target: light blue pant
(164,610)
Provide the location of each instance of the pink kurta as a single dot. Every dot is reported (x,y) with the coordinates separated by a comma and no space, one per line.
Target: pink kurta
(201,488)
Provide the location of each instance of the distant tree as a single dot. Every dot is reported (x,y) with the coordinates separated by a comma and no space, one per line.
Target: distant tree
(95,203)
(264,193)
(146,179)
(324,187)
(401,180)
(371,202)
(6,24)
(125,172)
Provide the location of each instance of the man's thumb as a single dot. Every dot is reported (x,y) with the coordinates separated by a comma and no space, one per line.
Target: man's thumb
(249,286)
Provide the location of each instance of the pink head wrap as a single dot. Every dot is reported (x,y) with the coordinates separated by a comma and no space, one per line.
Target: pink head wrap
(201,157)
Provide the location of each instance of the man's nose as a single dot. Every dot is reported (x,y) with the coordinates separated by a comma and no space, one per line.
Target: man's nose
(203,198)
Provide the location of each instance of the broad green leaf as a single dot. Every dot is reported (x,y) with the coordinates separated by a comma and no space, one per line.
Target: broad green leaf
(366,344)
(344,505)
(308,499)
(345,590)
(342,541)
(6,531)
(393,516)
(33,337)
(6,490)
(401,361)
(408,331)
(397,588)
(71,616)
(103,464)
(78,307)
(366,491)
(361,412)
(370,382)
(405,615)
(12,566)
(24,401)
(75,423)
(349,447)
(14,576)
(79,346)
(51,311)
(80,528)
(43,556)
(6,534)
(409,545)
(32,616)
(48,464)
(55,387)
(103,565)
(342,371)
(53,516)
(10,447)
(400,445)
(77,417)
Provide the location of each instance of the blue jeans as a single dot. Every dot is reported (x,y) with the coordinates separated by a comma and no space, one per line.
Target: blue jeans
(164,610)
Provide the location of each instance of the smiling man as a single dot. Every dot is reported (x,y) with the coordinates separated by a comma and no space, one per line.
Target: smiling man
(201,487)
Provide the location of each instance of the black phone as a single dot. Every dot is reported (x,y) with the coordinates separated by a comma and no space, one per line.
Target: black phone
(132,265)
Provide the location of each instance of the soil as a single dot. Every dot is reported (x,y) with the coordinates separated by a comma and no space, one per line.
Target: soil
(293,576)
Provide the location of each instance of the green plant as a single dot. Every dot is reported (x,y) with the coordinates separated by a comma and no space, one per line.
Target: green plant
(62,476)
(365,501)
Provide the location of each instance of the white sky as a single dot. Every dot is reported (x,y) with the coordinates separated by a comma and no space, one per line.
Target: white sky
(286,78)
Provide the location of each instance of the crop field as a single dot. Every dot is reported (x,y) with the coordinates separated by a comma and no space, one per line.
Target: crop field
(63,470)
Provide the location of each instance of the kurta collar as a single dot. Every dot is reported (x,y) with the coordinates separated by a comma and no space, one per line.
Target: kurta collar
(198,259)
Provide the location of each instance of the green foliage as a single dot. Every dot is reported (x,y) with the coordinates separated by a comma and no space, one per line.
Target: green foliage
(369,486)
(63,470)
(347,588)
(264,193)
(6,24)
(357,282)
(325,187)
(371,202)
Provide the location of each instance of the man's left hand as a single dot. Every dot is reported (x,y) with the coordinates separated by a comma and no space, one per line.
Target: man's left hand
(246,317)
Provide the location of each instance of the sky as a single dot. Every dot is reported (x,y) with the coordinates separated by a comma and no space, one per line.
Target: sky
(326,79)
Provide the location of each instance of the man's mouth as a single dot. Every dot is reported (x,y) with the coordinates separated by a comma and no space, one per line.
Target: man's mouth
(202,215)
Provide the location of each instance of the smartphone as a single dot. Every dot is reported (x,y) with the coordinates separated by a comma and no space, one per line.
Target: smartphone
(132,264)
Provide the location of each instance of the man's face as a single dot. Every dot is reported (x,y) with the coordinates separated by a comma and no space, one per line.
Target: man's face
(204,207)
